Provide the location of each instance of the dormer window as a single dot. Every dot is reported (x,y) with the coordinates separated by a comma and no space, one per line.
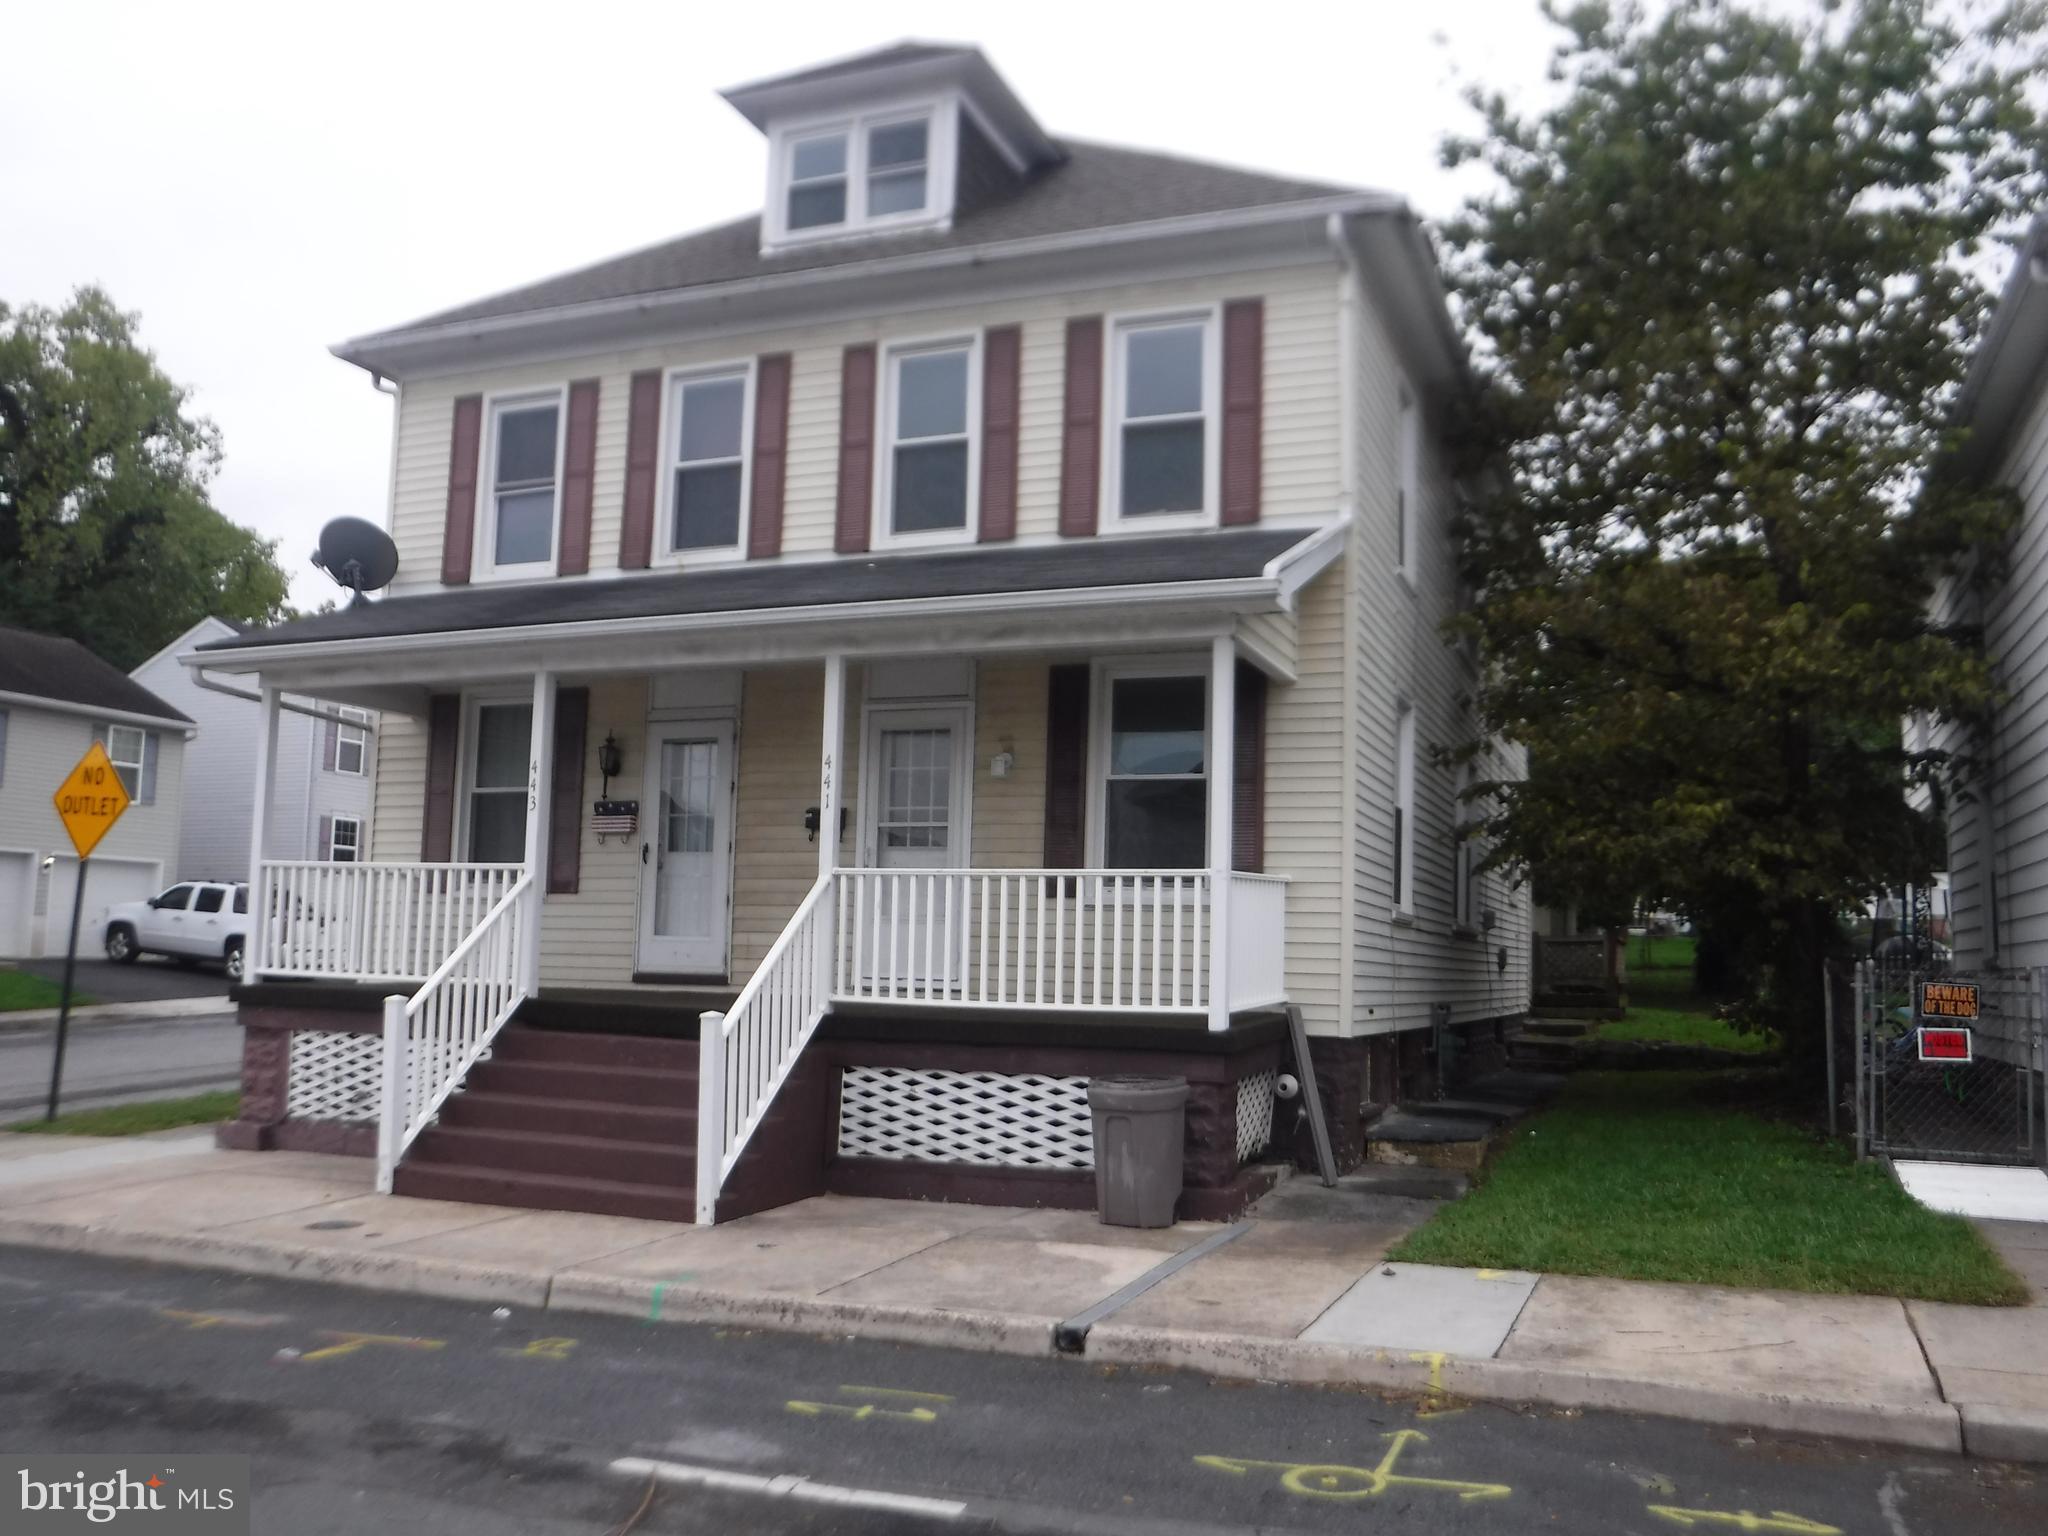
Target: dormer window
(875,171)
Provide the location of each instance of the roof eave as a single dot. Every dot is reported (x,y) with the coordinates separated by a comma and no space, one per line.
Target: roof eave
(390,353)
(2009,364)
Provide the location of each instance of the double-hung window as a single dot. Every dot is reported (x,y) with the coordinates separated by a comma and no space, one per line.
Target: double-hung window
(707,478)
(498,762)
(1162,413)
(524,482)
(1155,787)
(817,180)
(873,170)
(345,840)
(351,742)
(928,466)
(1404,811)
(133,753)
(897,165)
(1408,490)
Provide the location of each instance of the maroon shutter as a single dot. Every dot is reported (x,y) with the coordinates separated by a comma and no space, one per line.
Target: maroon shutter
(1244,371)
(643,448)
(771,456)
(1081,439)
(330,745)
(579,477)
(458,537)
(565,803)
(1066,767)
(437,824)
(326,838)
(1248,773)
(856,449)
(1001,355)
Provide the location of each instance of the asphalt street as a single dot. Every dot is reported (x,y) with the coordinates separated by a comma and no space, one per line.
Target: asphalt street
(149,980)
(108,1062)
(366,1411)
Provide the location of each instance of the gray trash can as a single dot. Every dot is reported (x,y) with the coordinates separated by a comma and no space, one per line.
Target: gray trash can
(1140,1127)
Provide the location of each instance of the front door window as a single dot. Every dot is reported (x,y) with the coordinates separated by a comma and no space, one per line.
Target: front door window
(687,849)
(497,792)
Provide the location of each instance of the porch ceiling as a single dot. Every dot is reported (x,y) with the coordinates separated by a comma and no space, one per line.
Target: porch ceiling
(1109,589)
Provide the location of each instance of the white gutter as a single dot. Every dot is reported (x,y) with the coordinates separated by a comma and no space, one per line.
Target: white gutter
(94,712)
(191,663)
(1245,590)
(1299,564)
(360,349)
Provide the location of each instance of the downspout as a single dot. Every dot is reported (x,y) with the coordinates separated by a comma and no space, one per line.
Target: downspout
(1349,280)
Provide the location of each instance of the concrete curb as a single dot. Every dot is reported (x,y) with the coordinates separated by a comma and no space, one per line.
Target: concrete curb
(2005,1434)
(22,1019)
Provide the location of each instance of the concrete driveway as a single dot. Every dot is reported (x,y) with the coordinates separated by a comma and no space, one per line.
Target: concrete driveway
(148,980)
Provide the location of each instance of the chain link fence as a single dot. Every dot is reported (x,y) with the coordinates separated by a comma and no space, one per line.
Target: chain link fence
(1950,1098)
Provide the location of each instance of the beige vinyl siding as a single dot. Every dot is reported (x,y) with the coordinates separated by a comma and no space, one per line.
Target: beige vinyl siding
(1305,803)
(1998,830)
(588,939)
(399,810)
(1299,460)
(1398,654)
(1009,716)
(1275,634)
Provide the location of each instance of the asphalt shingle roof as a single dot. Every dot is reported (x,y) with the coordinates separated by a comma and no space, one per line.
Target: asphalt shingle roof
(1097,186)
(50,667)
(1084,563)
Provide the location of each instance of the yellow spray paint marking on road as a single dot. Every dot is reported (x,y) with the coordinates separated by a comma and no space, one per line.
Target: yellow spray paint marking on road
(352,1343)
(1436,1406)
(542,1349)
(1745,1520)
(862,1412)
(196,1322)
(1328,1481)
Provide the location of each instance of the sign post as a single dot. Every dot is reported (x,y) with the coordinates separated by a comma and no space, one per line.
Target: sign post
(89,802)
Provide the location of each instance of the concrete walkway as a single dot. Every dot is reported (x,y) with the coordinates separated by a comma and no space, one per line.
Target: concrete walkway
(1301,1294)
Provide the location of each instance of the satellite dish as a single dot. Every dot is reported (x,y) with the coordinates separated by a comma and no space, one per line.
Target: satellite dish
(358,555)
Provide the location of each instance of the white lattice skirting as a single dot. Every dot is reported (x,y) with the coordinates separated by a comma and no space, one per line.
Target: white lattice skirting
(1011,1120)
(334,1076)
(1255,1113)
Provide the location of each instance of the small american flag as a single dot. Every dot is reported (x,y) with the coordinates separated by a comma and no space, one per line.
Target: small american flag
(615,818)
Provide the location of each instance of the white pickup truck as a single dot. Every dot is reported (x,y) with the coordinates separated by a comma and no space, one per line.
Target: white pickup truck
(194,920)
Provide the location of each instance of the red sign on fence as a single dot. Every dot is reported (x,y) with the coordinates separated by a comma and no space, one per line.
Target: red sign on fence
(1946,1045)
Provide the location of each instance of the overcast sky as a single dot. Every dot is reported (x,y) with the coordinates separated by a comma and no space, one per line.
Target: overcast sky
(261,181)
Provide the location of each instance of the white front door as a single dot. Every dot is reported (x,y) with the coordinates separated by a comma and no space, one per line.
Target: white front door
(686,848)
(914,781)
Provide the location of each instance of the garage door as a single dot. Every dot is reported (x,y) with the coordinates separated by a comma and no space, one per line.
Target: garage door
(107,882)
(17,903)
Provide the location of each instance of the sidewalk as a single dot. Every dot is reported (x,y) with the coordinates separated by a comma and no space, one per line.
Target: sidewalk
(1298,1294)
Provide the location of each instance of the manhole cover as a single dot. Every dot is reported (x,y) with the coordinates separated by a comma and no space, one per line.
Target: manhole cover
(331,1226)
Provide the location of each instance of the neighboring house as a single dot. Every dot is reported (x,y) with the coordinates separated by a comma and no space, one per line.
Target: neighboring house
(56,699)
(1998,829)
(974,627)
(320,802)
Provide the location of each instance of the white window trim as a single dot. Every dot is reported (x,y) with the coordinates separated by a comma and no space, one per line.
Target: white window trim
(1407,484)
(354,721)
(1101,681)
(334,825)
(942,150)
(465,762)
(1112,519)
(746,370)
(137,763)
(483,565)
(1404,802)
(882,535)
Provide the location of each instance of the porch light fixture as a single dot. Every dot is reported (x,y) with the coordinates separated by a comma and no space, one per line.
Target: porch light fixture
(610,760)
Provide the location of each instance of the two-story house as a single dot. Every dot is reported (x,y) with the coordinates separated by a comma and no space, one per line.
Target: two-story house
(321,788)
(56,700)
(973,627)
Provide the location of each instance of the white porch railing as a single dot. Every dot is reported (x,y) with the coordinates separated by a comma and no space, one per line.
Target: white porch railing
(747,1053)
(354,922)
(432,1040)
(1258,940)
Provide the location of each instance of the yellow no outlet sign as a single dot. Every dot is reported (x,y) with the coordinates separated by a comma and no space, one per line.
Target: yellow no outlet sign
(91,799)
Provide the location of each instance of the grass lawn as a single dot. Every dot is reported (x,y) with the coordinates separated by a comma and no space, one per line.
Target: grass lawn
(23,989)
(1673,952)
(136,1119)
(1682,1026)
(1659,1176)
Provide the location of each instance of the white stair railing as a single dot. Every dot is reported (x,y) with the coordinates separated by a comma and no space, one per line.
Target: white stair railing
(746,1054)
(432,1039)
(351,922)
(1128,940)
(1258,940)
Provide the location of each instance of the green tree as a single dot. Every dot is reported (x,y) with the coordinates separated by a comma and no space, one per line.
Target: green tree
(107,533)
(1723,292)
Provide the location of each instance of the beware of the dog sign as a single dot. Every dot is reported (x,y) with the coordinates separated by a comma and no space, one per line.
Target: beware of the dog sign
(1948,1000)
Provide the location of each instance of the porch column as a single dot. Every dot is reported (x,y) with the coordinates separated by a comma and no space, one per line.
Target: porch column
(540,763)
(255,946)
(830,745)
(1222,791)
